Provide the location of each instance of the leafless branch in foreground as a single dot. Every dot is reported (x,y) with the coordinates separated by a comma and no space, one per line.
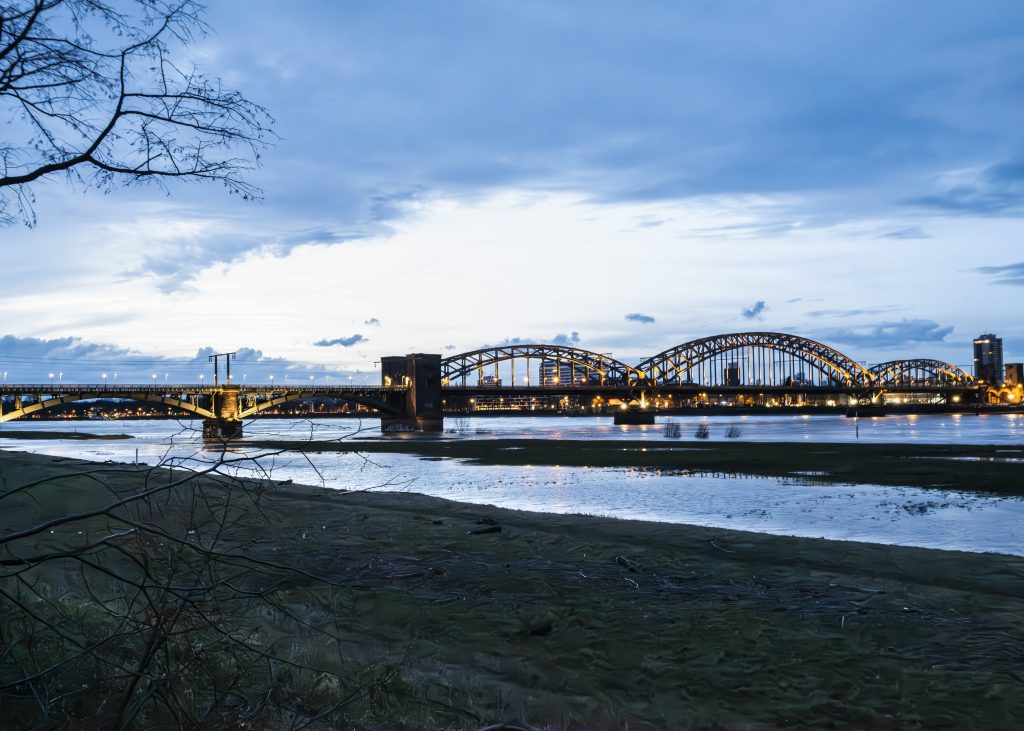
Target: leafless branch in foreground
(98,91)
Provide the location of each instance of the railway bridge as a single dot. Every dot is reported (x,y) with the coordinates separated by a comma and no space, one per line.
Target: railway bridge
(417,390)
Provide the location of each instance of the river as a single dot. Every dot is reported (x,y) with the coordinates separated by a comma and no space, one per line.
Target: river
(792,506)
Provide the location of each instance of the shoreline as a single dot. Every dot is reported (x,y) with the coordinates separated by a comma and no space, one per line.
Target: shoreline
(577,621)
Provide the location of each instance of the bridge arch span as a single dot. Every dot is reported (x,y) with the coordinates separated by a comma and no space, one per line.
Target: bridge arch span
(920,371)
(758,358)
(591,367)
(68,398)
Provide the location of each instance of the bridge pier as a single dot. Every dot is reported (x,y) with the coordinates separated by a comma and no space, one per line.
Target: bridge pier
(420,406)
(633,417)
(227,406)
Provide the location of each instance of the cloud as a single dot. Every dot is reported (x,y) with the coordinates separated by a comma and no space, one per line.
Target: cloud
(852,313)
(909,233)
(570,340)
(372,322)
(565,339)
(31,360)
(995,190)
(346,342)
(755,311)
(637,317)
(1012,274)
(887,334)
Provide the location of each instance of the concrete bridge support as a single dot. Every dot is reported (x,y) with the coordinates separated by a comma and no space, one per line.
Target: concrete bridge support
(420,407)
(227,406)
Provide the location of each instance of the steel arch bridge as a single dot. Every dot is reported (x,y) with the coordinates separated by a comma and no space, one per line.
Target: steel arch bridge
(582,366)
(770,358)
(919,372)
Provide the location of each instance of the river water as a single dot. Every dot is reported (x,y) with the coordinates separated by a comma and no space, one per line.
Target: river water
(797,506)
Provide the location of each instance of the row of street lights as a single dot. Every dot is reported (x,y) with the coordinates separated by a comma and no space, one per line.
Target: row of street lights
(59,375)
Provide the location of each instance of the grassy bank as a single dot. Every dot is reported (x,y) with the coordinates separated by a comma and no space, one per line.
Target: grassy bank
(399,610)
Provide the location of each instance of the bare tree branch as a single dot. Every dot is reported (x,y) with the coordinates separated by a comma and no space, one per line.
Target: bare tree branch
(91,90)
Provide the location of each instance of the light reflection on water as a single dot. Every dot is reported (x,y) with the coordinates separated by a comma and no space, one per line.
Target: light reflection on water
(799,506)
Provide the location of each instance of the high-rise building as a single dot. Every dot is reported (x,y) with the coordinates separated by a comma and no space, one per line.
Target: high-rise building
(988,359)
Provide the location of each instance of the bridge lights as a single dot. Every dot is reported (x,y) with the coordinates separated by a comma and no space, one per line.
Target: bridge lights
(104,380)
(60,378)
(51,379)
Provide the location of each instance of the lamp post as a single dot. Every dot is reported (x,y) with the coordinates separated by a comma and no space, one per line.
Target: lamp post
(5,378)
(60,378)
(165,378)
(115,378)
(104,380)
(51,380)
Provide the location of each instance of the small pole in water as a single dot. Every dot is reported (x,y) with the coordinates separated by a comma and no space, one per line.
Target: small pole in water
(136,456)
(856,429)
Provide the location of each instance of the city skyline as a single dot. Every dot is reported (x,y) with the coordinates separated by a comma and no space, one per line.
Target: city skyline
(450,177)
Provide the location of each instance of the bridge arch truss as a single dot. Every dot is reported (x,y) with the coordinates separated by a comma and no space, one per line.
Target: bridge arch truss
(755,359)
(536,365)
(927,372)
(41,403)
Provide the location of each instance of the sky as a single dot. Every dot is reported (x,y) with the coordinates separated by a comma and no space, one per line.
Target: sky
(622,177)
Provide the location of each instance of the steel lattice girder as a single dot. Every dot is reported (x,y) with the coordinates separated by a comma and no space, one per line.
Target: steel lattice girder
(893,371)
(611,371)
(673,364)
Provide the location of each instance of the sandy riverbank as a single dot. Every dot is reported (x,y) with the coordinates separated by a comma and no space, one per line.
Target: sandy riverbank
(465,615)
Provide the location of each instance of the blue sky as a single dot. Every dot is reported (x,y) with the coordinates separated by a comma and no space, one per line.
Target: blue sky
(622,176)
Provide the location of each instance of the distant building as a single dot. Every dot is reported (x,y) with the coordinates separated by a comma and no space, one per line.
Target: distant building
(732,374)
(1014,374)
(555,372)
(988,359)
(490,380)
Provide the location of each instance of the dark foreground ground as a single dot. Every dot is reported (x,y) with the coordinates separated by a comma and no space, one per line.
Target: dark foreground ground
(478,615)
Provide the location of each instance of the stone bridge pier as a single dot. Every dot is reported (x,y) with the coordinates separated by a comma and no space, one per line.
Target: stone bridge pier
(226,404)
(420,406)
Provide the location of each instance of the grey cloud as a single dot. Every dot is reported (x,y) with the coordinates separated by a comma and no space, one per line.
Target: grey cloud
(888,334)
(372,322)
(33,359)
(997,190)
(755,311)
(852,313)
(911,232)
(638,317)
(571,340)
(346,342)
(1012,274)
(566,339)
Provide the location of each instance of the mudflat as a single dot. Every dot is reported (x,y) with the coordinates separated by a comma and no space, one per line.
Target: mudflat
(559,621)
(995,469)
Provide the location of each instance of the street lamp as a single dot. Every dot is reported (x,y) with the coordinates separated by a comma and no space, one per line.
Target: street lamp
(154,379)
(165,378)
(115,378)
(51,379)
(104,380)
(60,378)
(5,378)
(201,377)
(271,380)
